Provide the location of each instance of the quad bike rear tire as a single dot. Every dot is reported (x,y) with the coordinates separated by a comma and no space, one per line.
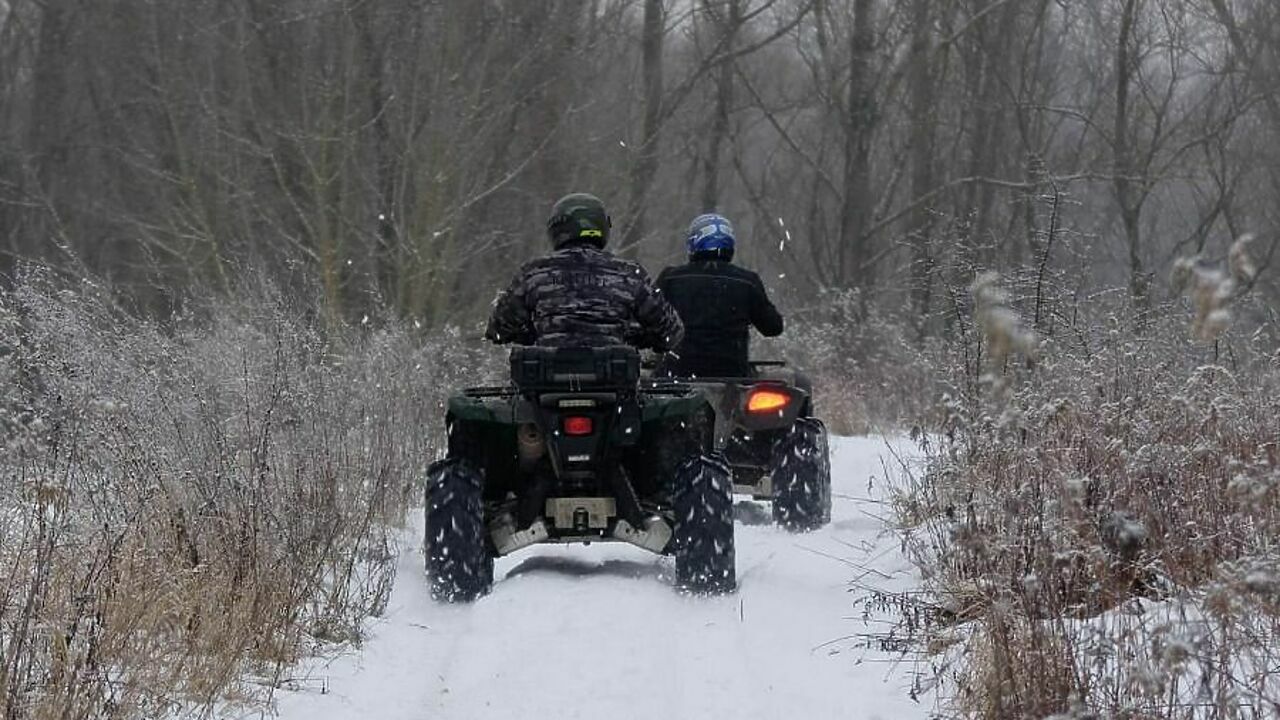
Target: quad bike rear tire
(802,477)
(459,564)
(703,537)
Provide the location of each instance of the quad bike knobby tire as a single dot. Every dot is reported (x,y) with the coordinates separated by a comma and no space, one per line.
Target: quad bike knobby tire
(703,538)
(459,565)
(802,477)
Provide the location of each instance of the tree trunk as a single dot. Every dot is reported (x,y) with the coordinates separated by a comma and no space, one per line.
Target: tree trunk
(1127,186)
(859,126)
(387,247)
(645,167)
(922,128)
(46,125)
(729,18)
(988,128)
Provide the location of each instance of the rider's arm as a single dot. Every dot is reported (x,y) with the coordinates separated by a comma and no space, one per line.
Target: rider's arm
(509,322)
(764,315)
(660,325)
(663,280)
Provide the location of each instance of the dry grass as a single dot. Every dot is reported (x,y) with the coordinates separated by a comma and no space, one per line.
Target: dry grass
(186,510)
(1097,529)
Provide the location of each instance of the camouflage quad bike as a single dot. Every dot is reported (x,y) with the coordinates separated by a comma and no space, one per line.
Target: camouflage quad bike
(575,451)
(776,448)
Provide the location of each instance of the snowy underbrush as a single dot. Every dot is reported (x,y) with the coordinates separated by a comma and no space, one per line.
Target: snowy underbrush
(1097,526)
(870,372)
(187,508)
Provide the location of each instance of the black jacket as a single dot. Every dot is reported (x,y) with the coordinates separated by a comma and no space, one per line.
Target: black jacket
(718,303)
(581,295)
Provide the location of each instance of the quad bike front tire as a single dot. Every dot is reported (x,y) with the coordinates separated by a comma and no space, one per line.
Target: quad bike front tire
(459,564)
(703,537)
(802,477)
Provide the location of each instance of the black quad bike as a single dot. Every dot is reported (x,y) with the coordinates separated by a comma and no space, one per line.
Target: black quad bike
(776,448)
(576,451)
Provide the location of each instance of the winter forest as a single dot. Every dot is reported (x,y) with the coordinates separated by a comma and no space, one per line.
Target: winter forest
(247,248)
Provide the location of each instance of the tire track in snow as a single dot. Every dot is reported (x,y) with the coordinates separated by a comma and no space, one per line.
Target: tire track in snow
(590,632)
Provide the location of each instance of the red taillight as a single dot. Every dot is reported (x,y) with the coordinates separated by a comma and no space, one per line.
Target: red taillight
(761,401)
(577,425)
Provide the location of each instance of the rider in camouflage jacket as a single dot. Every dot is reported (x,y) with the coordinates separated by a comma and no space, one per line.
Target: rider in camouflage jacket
(582,294)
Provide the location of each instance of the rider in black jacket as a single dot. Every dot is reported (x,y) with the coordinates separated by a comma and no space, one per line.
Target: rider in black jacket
(718,303)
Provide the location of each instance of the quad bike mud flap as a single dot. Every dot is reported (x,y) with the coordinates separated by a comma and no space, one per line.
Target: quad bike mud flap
(507,539)
(655,537)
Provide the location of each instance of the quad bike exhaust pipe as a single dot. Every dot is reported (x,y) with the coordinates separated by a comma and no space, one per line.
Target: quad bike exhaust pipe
(530,444)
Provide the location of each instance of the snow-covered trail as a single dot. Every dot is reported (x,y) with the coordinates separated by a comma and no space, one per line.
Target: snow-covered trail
(598,632)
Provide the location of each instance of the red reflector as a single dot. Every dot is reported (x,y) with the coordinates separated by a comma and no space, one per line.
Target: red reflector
(767,401)
(577,425)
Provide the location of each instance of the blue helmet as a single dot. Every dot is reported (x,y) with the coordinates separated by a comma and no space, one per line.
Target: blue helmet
(710,233)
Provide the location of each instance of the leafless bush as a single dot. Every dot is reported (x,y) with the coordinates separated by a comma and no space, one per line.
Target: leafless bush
(1099,539)
(184,510)
(869,370)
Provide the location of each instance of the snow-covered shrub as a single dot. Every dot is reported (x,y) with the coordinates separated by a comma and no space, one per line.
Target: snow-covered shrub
(189,504)
(869,369)
(1099,538)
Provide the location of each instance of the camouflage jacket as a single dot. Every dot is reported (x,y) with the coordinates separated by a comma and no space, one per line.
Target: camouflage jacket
(580,295)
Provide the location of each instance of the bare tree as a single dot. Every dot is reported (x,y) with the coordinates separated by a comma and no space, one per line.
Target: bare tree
(386,152)
(645,166)
(859,133)
(727,18)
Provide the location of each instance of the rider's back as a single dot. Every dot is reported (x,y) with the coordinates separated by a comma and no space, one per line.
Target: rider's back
(581,295)
(718,302)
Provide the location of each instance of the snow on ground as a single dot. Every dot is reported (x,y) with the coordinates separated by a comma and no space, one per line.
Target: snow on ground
(598,632)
